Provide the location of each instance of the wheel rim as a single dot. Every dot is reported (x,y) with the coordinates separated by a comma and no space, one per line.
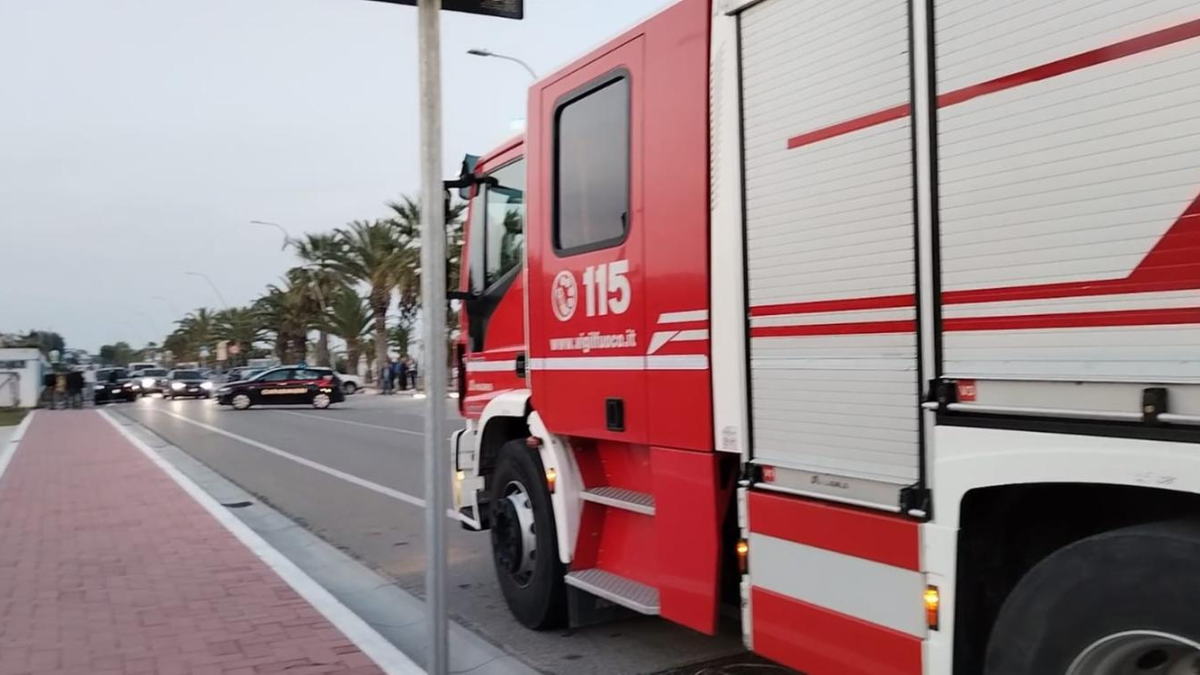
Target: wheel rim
(241,401)
(1139,653)
(514,534)
(321,401)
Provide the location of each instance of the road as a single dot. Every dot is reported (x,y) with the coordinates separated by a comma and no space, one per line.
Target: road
(353,475)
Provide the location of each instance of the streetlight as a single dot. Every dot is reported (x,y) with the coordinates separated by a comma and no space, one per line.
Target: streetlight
(170,305)
(486,52)
(211,285)
(287,238)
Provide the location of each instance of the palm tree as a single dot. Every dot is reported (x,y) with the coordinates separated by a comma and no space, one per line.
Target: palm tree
(349,318)
(288,313)
(407,221)
(240,326)
(319,253)
(374,253)
(193,331)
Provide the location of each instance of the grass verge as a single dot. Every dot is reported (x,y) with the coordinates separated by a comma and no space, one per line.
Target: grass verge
(11,416)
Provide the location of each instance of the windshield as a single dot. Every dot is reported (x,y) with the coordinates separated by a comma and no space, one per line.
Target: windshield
(187,375)
(104,374)
(154,372)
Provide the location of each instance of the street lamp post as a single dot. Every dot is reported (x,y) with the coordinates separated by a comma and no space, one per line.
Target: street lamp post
(287,238)
(494,55)
(211,285)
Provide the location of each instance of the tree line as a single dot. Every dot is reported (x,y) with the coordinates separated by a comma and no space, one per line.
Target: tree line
(343,286)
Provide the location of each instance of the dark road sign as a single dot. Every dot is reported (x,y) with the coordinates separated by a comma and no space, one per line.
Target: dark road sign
(505,9)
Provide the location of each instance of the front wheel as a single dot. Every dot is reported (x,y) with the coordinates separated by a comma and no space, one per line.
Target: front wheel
(524,542)
(1118,603)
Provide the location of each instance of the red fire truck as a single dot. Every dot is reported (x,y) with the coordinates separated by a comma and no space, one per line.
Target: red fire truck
(878,320)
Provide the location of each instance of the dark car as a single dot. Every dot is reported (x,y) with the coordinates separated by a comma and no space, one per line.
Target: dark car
(151,380)
(113,384)
(189,383)
(284,385)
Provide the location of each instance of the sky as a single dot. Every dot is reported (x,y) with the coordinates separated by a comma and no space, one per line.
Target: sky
(138,138)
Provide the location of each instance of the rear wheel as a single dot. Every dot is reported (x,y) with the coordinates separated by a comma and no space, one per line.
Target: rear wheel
(1119,603)
(349,388)
(321,401)
(240,402)
(524,542)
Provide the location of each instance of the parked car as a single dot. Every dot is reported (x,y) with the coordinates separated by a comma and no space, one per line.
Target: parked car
(285,385)
(350,383)
(112,385)
(189,383)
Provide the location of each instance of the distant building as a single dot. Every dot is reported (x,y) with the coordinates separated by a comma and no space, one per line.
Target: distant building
(21,370)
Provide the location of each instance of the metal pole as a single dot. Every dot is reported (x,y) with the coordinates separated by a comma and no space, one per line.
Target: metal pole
(433,324)
(211,285)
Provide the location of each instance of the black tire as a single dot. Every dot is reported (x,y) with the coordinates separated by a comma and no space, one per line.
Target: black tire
(539,601)
(1141,578)
(349,388)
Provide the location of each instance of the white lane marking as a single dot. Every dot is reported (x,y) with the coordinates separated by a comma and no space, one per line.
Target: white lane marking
(10,448)
(326,418)
(385,655)
(683,317)
(328,470)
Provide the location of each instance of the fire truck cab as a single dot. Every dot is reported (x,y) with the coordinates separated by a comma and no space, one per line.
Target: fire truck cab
(877,319)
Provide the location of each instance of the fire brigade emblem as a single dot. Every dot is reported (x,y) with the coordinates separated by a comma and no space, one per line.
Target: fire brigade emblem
(564,295)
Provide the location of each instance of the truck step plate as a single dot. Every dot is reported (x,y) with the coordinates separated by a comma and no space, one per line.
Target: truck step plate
(638,502)
(625,592)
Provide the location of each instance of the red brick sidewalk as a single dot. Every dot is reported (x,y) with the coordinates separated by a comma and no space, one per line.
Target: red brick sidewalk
(108,567)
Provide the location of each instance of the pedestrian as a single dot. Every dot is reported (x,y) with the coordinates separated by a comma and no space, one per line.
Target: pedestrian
(74,389)
(412,371)
(60,390)
(387,379)
(49,382)
(401,369)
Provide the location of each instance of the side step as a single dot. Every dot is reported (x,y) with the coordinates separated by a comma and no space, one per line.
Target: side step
(638,502)
(625,592)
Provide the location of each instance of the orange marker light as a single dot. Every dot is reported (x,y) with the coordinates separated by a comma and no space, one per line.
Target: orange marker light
(743,555)
(551,478)
(933,602)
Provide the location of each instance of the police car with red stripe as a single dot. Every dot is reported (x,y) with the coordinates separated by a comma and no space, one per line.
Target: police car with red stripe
(284,385)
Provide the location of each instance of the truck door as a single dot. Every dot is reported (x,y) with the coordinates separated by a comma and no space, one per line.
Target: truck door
(587,351)
(495,320)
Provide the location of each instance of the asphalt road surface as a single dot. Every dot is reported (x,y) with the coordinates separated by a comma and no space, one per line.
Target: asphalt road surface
(353,475)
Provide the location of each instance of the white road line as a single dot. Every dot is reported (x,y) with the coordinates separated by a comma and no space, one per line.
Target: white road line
(328,470)
(10,448)
(327,418)
(385,655)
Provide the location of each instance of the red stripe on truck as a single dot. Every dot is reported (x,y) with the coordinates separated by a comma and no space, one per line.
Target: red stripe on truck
(890,540)
(819,641)
(1070,64)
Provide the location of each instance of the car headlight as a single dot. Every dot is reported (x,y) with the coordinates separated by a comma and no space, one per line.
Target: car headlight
(147,382)
(177,385)
(98,387)
(206,385)
(133,386)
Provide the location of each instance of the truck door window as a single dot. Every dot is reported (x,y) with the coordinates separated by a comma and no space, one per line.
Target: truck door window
(591,168)
(505,221)
(497,228)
